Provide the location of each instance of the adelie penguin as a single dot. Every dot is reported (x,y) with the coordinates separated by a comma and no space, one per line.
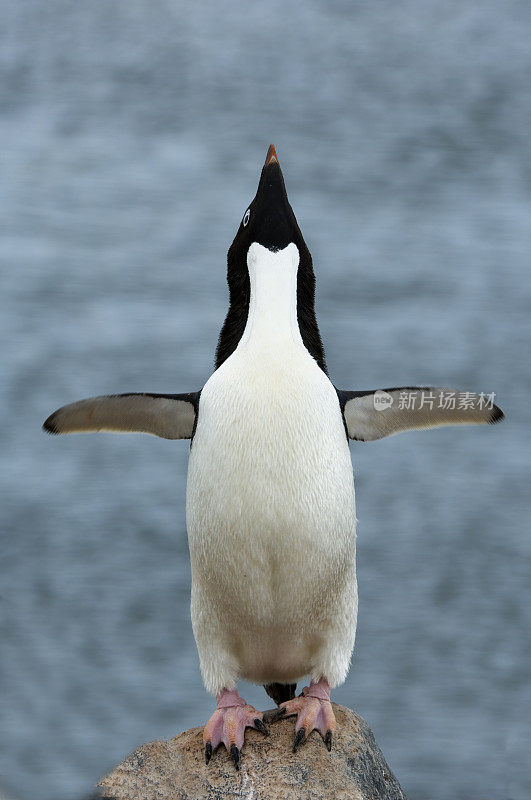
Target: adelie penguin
(270,496)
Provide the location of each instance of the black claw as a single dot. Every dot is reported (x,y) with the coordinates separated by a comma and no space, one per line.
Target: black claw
(301,733)
(208,752)
(328,740)
(259,725)
(235,753)
(273,715)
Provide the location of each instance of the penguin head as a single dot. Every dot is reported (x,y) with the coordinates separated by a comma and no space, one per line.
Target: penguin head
(269,221)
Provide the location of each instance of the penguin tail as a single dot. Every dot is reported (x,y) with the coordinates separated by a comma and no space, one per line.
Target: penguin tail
(280,692)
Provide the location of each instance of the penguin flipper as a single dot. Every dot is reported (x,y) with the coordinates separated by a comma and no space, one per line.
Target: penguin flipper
(170,416)
(375,414)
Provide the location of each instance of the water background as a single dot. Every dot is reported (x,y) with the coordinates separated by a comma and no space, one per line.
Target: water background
(132,135)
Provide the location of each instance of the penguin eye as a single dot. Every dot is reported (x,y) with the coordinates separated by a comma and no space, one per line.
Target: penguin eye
(246,217)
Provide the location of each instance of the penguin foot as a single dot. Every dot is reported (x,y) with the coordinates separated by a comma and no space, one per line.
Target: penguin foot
(228,723)
(314,712)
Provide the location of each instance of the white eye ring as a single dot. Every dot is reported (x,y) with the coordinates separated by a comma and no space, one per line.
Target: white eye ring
(246,217)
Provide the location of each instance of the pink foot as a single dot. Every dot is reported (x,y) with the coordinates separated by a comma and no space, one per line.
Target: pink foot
(314,712)
(228,723)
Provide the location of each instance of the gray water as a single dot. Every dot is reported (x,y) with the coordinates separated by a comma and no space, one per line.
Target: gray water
(132,135)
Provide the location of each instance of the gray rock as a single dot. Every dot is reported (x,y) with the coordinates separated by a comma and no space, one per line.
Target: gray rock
(355,769)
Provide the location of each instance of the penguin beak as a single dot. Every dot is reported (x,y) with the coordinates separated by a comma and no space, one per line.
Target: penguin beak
(271,189)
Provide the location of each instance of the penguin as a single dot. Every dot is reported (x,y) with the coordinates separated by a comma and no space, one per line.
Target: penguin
(270,503)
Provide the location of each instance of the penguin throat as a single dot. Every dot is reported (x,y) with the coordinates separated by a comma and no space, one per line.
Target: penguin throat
(272,319)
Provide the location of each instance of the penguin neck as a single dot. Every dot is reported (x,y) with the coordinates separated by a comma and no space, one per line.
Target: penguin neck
(272,320)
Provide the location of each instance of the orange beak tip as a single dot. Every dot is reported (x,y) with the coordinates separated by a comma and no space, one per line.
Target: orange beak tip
(271,157)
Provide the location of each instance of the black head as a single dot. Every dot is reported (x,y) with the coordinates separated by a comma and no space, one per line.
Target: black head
(269,221)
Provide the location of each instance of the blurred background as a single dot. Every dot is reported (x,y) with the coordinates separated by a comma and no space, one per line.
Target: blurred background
(132,138)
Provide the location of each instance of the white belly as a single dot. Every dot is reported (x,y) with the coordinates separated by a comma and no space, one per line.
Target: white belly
(271,521)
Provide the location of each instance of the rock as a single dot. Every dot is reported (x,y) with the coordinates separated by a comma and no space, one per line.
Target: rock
(355,769)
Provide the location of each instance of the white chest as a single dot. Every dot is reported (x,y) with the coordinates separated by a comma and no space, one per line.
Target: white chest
(270,432)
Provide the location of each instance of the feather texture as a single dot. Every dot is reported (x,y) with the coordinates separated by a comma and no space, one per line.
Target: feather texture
(170,416)
(384,412)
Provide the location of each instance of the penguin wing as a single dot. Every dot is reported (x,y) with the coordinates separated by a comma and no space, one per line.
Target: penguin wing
(383,412)
(170,416)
